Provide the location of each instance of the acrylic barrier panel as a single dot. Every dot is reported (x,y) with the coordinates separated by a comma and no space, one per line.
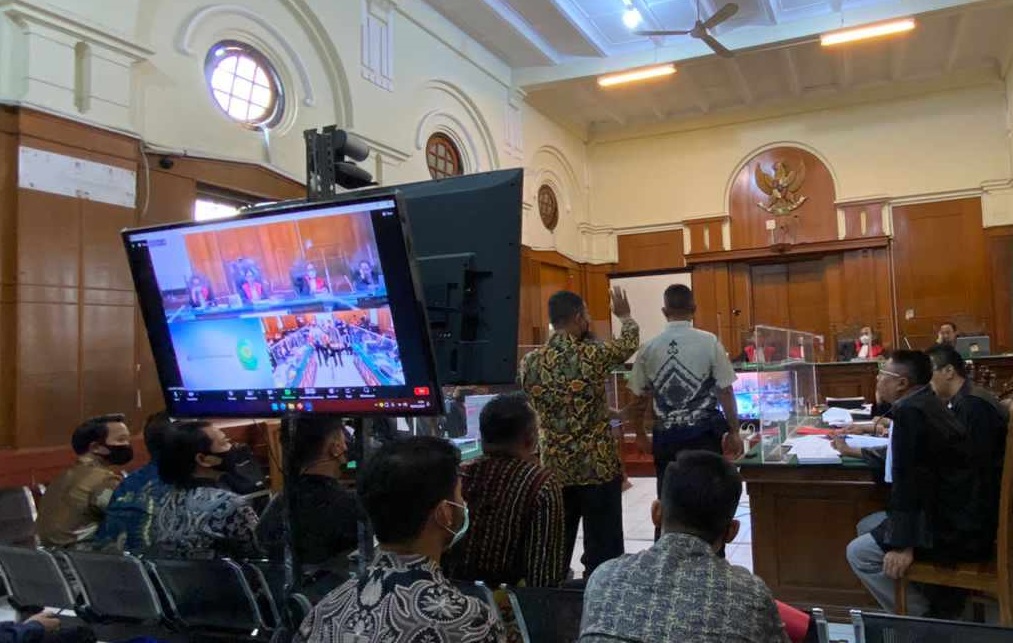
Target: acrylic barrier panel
(773,345)
(776,400)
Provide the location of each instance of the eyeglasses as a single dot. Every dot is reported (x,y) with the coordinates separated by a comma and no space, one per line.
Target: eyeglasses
(885,373)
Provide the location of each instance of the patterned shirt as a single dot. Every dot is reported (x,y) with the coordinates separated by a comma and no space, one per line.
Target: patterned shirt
(678,590)
(516,525)
(400,599)
(130,516)
(683,367)
(206,522)
(565,380)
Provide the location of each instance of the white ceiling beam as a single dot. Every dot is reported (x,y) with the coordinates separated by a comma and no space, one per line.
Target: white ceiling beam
(517,22)
(740,80)
(957,42)
(680,49)
(686,82)
(794,80)
(597,102)
(576,17)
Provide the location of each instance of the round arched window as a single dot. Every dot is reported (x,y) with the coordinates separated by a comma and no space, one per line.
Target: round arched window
(442,157)
(244,84)
(548,207)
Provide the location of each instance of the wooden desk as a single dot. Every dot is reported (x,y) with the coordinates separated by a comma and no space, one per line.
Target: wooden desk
(847,379)
(803,518)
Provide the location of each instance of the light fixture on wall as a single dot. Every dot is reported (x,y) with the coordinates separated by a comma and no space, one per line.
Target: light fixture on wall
(635,75)
(631,17)
(867,31)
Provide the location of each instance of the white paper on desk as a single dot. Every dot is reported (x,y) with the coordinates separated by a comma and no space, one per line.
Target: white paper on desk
(836,416)
(813,449)
(867,441)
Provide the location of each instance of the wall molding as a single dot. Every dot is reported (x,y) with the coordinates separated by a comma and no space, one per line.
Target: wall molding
(648,228)
(484,132)
(23,13)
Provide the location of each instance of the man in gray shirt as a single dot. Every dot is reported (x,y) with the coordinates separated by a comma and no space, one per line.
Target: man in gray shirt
(687,374)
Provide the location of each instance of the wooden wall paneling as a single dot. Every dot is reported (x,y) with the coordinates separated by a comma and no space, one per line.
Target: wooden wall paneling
(240,178)
(168,197)
(1000,257)
(706,235)
(941,269)
(770,295)
(651,251)
(886,310)
(8,273)
(807,303)
(596,294)
(864,219)
(712,292)
(740,276)
(814,221)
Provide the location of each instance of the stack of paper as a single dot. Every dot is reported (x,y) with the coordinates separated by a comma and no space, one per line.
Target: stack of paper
(867,441)
(813,449)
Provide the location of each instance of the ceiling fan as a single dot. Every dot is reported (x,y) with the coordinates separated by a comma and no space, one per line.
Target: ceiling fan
(701,29)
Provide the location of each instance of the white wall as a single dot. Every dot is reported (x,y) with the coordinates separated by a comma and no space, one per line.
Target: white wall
(937,143)
(146,61)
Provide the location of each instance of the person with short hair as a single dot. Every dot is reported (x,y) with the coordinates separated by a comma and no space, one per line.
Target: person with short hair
(199,519)
(75,503)
(411,491)
(687,375)
(947,335)
(516,505)
(565,382)
(128,521)
(327,516)
(930,465)
(680,589)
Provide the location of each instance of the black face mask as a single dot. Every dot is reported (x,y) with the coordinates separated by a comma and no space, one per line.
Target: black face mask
(229,460)
(119,454)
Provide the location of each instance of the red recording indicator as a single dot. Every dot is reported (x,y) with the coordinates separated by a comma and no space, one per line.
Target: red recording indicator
(421,391)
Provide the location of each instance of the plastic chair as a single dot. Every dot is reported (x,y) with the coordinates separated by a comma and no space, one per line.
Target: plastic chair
(34,579)
(270,595)
(115,588)
(994,577)
(207,596)
(547,615)
(17,517)
(889,628)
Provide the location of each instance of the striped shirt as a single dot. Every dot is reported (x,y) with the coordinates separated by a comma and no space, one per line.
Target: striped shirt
(516,529)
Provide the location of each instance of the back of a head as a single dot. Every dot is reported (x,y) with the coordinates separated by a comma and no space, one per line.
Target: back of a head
(183,442)
(700,493)
(914,365)
(92,430)
(564,307)
(312,434)
(679,300)
(156,428)
(943,355)
(506,420)
(404,481)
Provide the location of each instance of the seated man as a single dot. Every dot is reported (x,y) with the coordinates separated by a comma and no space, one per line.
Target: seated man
(412,493)
(198,519)
(516,505)
(680,589)
(983,415)
(326,524)
(131,511)
(75,503)
(931,467)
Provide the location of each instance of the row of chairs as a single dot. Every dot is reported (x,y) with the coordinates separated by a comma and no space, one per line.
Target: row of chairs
(874,627)
(207,598)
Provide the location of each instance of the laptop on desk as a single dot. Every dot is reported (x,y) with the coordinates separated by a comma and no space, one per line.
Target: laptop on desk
(973,346)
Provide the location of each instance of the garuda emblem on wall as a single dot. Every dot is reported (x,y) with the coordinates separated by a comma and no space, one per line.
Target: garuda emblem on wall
(782,187)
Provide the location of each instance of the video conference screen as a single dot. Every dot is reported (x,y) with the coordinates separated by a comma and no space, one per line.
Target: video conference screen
(311,309)
(770,398)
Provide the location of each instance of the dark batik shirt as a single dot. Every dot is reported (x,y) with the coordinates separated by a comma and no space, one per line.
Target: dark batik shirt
(400,599)
(678,590)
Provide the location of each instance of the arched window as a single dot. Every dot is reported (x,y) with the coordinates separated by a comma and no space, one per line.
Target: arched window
(244,84)
(548,207)
(443,157)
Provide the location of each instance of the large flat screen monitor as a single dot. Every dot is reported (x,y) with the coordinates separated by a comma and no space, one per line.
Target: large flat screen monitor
(765,396)
(313,309)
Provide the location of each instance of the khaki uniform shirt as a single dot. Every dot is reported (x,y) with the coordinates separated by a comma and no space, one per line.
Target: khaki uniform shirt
(74,505)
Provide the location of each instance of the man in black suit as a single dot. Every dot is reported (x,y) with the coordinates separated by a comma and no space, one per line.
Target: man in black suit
(931,468)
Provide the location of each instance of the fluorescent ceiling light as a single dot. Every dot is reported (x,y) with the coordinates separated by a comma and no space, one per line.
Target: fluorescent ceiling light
(632,18)
(635,75)
(868,31)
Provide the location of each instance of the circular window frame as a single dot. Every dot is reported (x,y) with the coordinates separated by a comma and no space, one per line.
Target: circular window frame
(548,207)
(276,112)
(451,145)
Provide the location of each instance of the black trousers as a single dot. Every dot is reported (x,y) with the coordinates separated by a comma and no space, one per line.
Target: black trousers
(666,454)
(600,506)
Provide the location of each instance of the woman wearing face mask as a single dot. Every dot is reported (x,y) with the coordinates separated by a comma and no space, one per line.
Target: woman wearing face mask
(198,518)
(867,345)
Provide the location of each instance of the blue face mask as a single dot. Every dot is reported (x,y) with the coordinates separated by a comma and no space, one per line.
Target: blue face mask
(459,534)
